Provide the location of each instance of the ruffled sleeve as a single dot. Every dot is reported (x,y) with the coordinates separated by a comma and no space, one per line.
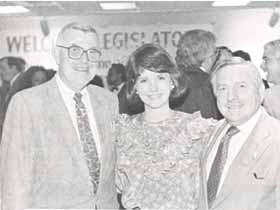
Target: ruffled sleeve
(200,129)
(199,126)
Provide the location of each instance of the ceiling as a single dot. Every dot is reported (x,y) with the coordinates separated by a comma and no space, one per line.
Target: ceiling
(74,8)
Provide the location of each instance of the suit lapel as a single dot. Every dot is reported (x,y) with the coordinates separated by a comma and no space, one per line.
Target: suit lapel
(100,112)
(247,157)
(209,147)
(59,118)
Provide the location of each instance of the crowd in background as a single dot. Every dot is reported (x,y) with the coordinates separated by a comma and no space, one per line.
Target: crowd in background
(196,68)
(195,130)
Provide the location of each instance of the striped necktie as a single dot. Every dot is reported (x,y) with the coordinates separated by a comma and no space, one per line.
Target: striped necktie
(218,165)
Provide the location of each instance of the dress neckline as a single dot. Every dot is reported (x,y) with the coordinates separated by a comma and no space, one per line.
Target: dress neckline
(145,122)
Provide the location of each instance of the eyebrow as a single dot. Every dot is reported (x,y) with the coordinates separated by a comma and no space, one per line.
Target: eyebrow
(92,48)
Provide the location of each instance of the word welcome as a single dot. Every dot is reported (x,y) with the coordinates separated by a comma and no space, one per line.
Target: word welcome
(110,40)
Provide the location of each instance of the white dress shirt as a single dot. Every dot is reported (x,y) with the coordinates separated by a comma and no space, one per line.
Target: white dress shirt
(235,145)
(67,95)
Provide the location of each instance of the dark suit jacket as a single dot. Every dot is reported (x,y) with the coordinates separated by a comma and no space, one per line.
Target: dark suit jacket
(201,97)
(7,93)
(17,86)
(3,92)
(42,162)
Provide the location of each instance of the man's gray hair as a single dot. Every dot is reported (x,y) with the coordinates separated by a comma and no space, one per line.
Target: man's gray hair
(84,27)
(237,61)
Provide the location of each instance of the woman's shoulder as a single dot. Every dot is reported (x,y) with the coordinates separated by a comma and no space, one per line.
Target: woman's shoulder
(195,122)
(192,117)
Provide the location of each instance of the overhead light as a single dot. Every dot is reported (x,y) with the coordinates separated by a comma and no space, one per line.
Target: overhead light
(13,9)
(273,19)
(227,3)
(117,5)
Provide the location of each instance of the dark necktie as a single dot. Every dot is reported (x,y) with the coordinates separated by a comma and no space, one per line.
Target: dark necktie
(218,165)
(87,140)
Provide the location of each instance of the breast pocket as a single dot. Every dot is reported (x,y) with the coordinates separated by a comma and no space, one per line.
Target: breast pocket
(258,175)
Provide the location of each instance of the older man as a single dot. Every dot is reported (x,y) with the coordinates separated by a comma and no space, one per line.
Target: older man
(57,149)
(241,166)
(271,65)
(195,57)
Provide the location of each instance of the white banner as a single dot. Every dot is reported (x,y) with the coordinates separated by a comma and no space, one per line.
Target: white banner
(117,42)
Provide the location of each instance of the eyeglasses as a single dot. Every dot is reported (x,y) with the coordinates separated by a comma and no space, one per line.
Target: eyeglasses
(76,52)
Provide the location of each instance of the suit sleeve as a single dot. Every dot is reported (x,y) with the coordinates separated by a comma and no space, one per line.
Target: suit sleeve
(17,157)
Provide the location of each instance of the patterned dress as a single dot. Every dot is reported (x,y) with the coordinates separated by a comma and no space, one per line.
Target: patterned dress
(158,163)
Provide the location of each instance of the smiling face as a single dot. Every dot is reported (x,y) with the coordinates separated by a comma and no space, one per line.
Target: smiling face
(38,78)
(271,64)
(76,73)
(238,95)
(154,89)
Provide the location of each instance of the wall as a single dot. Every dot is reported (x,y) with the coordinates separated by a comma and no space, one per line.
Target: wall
(121,34)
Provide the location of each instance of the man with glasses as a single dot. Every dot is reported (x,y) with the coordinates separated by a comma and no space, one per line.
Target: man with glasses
(57,149)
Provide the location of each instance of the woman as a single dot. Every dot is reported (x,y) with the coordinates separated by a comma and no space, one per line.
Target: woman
(158,150)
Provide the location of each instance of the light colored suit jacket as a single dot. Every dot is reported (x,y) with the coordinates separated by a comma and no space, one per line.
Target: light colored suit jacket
(272,101)
(42,163)
(253,179)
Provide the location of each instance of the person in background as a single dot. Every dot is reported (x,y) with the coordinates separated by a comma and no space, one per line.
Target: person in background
(39,77)
(195,57)
(11,71)
(57,150)
(241,164)
(116,77)
(97,80)
(3,91)
(222,53)
(225,52)
(271,65)
(246,56)
(116,80)
(242,54)
(51,73)
(158,150)
(35,75)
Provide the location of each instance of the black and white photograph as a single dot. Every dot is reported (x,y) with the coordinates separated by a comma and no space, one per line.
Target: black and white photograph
(140,105)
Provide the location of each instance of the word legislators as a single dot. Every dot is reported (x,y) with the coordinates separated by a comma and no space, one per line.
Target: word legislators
(131,40)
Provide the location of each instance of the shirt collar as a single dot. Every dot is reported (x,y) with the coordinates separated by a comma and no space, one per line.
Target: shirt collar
(65,89)
(250,124)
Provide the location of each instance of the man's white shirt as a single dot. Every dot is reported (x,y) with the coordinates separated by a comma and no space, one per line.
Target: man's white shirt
(67,95)
(235,145)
